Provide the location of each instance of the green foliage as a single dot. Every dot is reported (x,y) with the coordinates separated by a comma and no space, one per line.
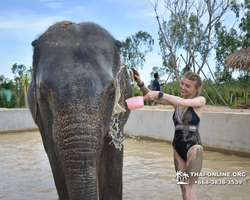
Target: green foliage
(3,100)
(226,90)
(235,7)
(20,101)
(7,85)
(13,101)
(172,88)
(21,80)
(245,24)
(230,40)
(136,90)
(135,48)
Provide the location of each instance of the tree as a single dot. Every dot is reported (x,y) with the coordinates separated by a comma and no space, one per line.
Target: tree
(244,25)
(22,79)
(2,79)
(135,49)
(5,83)
(13,100)
(3,100)
(184,31)
(228,42)
(25,84)
(232,39)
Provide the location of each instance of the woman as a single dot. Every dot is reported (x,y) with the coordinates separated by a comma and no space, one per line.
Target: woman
(188,151)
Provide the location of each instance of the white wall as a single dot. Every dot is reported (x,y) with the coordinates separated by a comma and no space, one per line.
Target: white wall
(16,119)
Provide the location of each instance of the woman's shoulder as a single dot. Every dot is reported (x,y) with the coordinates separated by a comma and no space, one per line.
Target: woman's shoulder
(201,98)
(198,102)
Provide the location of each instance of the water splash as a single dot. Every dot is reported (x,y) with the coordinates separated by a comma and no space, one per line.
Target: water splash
(114,131)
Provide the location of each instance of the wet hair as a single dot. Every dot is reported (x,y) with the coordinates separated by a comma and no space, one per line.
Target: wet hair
(156,75)
(194,77)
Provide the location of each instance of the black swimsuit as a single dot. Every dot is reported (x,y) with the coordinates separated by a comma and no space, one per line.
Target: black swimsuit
(186,131)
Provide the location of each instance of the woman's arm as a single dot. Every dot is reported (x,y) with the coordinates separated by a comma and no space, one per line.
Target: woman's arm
(176,101)
(145,90)
(140,83)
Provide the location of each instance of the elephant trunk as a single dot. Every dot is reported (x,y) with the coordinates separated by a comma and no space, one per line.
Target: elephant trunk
(80,168)
(78,146)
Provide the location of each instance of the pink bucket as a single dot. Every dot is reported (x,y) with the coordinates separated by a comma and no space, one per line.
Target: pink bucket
(134,103)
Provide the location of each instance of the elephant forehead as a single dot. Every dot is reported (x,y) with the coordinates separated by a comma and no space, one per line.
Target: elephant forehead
(80,49)
(87,35)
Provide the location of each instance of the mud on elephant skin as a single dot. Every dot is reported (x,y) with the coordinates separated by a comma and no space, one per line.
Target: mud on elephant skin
(76,98)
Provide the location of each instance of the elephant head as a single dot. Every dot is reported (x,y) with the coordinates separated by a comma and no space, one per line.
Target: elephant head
(76,97)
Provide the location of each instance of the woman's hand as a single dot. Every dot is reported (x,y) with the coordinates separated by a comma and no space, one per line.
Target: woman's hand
(137,78)
(152,95)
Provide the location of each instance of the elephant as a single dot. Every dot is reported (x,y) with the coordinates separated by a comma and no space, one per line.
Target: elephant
(77,98)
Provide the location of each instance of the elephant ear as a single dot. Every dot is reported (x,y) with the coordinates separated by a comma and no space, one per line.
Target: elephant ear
(118,43)
(34,43)
(32,99)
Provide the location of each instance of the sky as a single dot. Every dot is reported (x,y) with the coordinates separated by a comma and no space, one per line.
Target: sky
(22,21)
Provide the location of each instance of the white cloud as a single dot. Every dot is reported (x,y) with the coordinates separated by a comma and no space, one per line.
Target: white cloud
(53,4)
(79,8)
(23,24)
(74,10)
(17,31)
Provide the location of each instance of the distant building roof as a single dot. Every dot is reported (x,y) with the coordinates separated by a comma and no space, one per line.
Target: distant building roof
(240,59)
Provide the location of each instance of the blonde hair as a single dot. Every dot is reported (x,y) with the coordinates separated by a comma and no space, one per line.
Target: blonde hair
(195,77)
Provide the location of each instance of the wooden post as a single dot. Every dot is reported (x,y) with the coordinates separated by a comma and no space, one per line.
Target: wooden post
(231,99)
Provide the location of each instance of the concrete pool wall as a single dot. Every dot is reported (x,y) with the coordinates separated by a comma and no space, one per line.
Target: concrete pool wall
(229,132)
(226,132)
(12,120)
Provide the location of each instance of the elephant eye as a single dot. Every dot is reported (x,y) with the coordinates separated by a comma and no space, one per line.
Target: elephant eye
(111,91)
(44,90)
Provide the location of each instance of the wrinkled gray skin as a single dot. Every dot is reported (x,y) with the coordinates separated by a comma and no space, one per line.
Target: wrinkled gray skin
(71,98)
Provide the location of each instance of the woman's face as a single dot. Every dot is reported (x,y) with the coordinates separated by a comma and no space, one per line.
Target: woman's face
(188,88)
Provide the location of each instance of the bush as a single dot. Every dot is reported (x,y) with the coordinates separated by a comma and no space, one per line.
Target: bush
(3,100)
(136,90)
(13,101)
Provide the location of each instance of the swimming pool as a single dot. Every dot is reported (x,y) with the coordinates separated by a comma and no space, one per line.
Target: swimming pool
(148,171)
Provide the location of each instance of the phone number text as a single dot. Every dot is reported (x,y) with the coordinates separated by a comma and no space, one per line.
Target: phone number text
(219,182)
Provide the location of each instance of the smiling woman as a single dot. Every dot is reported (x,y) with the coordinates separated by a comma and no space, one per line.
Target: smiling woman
(188,151)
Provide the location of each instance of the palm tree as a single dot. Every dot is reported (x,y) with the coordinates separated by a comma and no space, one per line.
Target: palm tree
(25,85)
(22,79)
